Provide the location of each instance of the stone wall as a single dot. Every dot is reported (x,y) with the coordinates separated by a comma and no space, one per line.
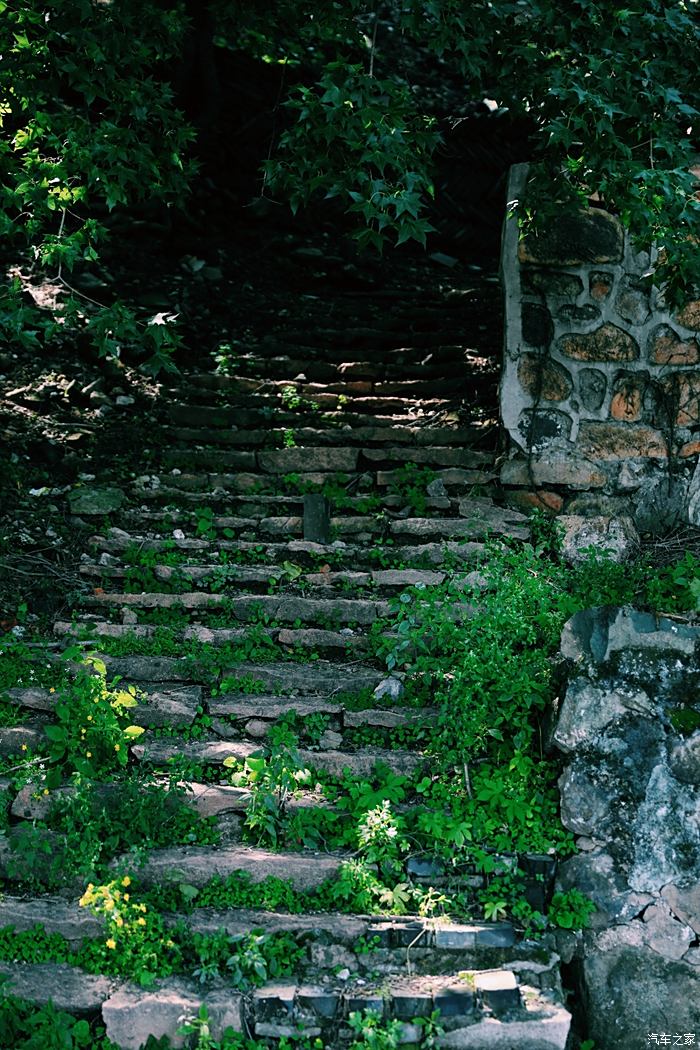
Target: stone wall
(600,393)
(630,792)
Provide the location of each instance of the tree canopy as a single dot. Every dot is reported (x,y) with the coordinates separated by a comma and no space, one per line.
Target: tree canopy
(92,121)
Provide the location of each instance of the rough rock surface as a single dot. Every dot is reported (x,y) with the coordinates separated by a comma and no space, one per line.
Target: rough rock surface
(631,788)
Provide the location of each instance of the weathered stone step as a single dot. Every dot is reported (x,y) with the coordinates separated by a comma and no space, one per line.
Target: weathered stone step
(241,500)
(303,552)
(169,705)
(235,576)
(475,1008)
(197,488)
(55,914)
(259,406)
(271,526)
(312,638)
(478,519)
(209,800)
(197,865)
(250,607)
(423,383)
(66,987)
(69,920)
(414,434)
(360,763)
(368,340)
(338,366)
(310,460)
(320,678)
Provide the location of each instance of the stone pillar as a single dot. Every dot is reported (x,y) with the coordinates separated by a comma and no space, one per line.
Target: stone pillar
(600,391)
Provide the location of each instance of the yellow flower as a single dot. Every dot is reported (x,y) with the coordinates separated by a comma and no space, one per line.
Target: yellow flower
(119,921)
(24,747)
(126,881)
(111,943)
(126,896)
(109,905)
(141,921)
(52,690)
(89,718)
(117,747)
(88,754)
(46,791)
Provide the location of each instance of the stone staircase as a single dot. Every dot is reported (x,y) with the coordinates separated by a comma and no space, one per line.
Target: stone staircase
(246,578)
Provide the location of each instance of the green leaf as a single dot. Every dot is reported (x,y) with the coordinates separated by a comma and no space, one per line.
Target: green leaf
(132,732)
(56,734)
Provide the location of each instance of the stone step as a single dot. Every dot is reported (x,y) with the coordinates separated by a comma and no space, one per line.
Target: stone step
(340,367)
(346,494)
(69,920)
(361,764)
(303,552)
(222,461)
(249,608)
(231,577)
(171,704)
(424,383)
(479,518)
(369,340)
(415,435)
(311,638)
(475,1007)
(208,799)
(66,987)
(320,678)
(197,865)
(269,708)
(292,525)
(258,407)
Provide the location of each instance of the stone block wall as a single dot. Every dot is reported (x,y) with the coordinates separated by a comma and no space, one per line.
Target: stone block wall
(600,392)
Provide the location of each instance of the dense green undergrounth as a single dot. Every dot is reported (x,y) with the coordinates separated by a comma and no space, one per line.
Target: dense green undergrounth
(479,650)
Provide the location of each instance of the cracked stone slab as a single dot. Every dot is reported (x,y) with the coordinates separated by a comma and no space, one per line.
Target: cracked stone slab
(67,987)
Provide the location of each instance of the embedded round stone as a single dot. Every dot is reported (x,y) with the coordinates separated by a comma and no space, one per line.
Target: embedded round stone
(667,348)
(607,343)
(541,377)
(592,386)
(689,316)
(590,236)
(620,441)
(628,398)
(537,325)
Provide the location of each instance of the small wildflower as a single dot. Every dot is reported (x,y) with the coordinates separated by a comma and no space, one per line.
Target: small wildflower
(46,791)
(141,921)
(126,896)
(111,943)
(52,690)
(119,921)
(117,747)
(88,754)
(109,905)
(24,747)
(89,718)
(126,881)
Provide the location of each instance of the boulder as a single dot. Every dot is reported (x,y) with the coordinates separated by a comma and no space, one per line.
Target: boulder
(614,537)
